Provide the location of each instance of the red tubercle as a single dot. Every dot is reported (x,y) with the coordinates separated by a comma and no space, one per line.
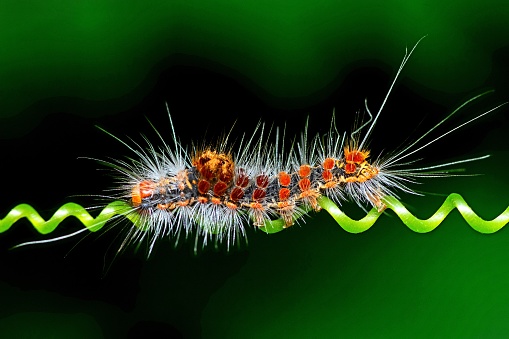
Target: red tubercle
(304,184)
(350,168)
(242,178)
(304,171)
(262,181)
(219,188)
(236,194)
(259,194)
(359,157)
(355,156)
(348,156)
(203,186)
(284,179)
(327,175)
(284,194)
(328,164)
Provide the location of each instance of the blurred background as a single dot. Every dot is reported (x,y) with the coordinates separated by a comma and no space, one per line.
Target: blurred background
(66,68)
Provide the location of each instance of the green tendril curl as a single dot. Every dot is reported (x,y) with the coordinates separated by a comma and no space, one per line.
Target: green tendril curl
(415,224)
(353,226)
(67,210)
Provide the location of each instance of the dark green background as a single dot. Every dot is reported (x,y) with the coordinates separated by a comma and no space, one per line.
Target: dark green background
(65,67)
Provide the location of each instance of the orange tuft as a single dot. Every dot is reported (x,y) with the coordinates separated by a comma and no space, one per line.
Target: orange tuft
(327,175)
(350,168)
(284,179)
(328,164)
(284,194)
(304,184)
(304,171)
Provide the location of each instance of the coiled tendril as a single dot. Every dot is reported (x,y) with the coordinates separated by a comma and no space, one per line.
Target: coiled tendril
(353,226)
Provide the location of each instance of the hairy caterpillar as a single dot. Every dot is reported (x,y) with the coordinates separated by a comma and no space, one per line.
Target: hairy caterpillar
(214,192)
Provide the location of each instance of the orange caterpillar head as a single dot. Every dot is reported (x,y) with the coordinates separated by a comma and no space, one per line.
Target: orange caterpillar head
(142,190)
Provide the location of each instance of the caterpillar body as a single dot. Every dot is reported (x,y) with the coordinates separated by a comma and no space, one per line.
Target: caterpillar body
(215,192)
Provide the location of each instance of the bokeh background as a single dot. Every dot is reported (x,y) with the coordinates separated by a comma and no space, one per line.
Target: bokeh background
(66,67)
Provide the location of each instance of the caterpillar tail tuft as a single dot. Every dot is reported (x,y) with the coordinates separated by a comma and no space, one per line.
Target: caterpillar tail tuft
(120,208)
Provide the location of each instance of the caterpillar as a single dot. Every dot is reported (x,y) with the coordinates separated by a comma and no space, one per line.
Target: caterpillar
(214,192)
